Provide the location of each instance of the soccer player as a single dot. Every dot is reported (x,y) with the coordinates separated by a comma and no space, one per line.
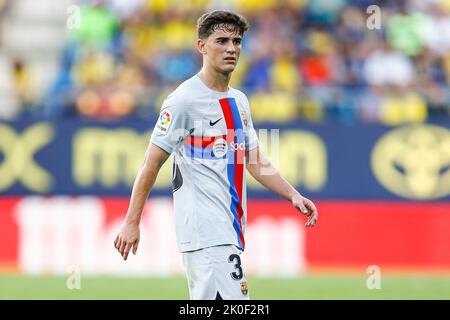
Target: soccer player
(208,127)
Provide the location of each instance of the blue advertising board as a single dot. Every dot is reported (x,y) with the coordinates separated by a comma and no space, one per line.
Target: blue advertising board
(76,156)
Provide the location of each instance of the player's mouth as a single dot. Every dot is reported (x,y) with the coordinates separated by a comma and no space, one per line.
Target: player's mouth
(230,59)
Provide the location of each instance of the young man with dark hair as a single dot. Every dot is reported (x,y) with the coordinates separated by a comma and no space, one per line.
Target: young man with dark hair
(208,127)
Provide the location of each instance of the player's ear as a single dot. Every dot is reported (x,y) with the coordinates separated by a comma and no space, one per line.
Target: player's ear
(201,46)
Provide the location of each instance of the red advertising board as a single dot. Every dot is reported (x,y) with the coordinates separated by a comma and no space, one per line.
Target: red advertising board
(48,234)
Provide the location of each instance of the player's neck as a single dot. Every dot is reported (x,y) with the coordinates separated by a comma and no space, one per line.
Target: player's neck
(214,80)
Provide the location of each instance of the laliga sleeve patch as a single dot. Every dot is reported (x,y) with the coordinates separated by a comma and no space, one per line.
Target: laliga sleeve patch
(164,121)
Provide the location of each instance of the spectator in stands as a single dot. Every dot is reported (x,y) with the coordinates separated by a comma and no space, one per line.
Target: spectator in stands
(309,58)
(386,67)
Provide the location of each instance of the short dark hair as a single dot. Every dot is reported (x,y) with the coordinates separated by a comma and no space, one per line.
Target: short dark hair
(221,19)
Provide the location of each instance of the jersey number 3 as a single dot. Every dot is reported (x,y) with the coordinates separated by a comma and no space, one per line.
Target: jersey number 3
(237,265)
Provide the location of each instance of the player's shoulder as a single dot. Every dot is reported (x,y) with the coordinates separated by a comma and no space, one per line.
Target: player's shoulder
(184,95)
(241,96)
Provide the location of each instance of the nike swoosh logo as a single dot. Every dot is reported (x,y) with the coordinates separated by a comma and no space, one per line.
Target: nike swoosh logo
(213,123)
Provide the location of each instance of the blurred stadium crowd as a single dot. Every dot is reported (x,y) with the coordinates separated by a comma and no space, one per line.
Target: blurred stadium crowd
(301,60)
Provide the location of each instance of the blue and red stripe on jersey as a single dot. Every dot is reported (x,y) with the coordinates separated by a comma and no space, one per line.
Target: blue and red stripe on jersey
(235,163)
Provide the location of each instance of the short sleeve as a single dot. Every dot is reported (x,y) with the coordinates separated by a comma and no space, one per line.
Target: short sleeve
(251,139)
(171,128)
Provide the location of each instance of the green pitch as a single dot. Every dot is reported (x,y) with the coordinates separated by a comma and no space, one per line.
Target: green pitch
(308,287)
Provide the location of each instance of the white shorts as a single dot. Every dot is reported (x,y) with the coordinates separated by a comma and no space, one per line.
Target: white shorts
(216,273)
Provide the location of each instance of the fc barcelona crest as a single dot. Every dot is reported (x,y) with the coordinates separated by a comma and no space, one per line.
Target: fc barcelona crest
(244,288)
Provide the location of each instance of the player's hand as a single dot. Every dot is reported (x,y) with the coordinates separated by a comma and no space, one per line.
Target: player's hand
(127,239)
(306,207)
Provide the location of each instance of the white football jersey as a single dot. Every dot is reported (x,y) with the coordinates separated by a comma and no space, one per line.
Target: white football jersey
(209,133)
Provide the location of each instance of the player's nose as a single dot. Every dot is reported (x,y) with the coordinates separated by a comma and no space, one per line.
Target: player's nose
(230,48)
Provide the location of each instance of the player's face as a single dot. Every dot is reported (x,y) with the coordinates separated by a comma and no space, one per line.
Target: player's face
(222,48)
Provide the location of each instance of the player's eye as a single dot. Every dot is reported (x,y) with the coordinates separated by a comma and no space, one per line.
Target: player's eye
(221,41)
(237,41)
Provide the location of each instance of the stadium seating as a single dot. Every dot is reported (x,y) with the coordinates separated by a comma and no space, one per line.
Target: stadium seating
(325,64)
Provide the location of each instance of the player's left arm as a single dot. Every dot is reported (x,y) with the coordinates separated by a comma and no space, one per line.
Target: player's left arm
(265,173)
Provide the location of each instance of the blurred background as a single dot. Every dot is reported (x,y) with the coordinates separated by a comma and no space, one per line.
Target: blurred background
(359,91)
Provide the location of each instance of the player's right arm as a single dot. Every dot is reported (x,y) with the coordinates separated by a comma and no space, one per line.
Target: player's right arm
(170,130)
(128,236)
